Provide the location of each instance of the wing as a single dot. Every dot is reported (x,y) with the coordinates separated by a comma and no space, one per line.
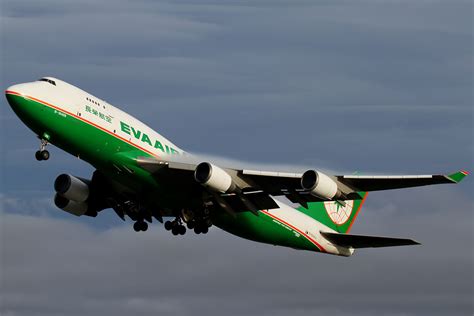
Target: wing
(275,181)
(311,186)
(291,184)
(243,197)
(378,183)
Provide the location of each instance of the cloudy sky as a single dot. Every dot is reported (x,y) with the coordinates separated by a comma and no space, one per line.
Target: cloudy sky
(367,86)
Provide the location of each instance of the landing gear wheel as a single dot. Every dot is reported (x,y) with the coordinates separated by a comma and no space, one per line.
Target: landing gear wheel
(140,226)
(204,229)
(191,225)
(168,225)
(175,230)
(197,230)
(182,230)
(44,155)
(136,227)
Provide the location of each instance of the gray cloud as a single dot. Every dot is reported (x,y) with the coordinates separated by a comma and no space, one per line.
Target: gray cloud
(372,86)
(116,271)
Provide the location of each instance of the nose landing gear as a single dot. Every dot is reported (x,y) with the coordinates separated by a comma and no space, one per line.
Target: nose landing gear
(42,154)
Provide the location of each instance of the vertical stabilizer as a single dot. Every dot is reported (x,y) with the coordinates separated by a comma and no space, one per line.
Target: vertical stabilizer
(335,214)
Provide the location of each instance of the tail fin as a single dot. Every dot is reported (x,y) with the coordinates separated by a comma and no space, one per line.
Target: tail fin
(335,214)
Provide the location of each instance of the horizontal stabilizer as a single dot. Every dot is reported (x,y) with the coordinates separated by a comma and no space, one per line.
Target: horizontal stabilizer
(361,241)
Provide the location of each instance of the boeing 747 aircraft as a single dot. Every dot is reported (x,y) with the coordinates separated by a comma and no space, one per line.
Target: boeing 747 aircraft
(144,176)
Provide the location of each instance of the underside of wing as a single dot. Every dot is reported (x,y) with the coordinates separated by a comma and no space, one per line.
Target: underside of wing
(315,186)
(253,187)
(221,185)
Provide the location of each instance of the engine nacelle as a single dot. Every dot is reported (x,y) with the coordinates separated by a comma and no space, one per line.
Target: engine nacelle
(213,178)
(72,188)
(319,185)
(72,207)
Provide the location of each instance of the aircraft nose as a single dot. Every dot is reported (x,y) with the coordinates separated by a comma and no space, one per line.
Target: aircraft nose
(12,93)
(15,89)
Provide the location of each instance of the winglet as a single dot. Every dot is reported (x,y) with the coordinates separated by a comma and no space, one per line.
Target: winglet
(458,176)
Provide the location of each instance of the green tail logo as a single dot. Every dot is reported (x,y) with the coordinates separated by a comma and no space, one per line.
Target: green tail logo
(337,215)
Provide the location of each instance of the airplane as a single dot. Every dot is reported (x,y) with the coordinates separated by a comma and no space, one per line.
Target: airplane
(143,176)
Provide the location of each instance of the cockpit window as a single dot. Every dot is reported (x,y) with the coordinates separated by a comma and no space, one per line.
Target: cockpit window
(48,80)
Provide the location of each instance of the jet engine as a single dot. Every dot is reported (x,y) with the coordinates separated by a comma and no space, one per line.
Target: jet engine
(71,194)
(320,185)
(72,188)
(213,178)
(70,206)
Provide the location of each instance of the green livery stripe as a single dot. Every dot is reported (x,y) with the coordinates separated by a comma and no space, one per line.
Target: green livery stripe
(264,228)
(296,229)
(98,146)
(11,93)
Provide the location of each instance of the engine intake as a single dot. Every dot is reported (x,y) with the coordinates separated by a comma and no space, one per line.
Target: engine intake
(213,177)
(72,188)
(320,185)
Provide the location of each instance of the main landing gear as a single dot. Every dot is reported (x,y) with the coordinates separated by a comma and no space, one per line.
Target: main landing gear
(200,226)
(42,154)
(176,227)
(140,225)
(197,220)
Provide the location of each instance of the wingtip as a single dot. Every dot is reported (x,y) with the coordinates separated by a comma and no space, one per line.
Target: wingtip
(458,176)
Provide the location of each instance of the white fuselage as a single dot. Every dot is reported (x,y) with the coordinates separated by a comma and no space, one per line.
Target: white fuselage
(95,111)
(67,99)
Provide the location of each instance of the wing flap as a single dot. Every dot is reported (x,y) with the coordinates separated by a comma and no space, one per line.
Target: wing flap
(155,165)
(249,201)
(361,241)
